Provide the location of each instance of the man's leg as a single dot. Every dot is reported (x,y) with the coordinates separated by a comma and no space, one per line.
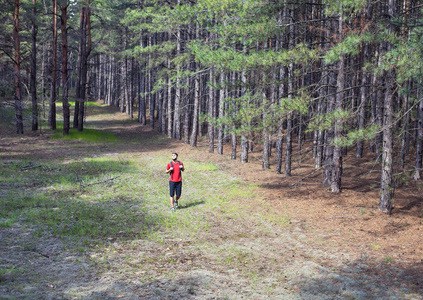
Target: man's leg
(176,201)
(178,193)
(172,193)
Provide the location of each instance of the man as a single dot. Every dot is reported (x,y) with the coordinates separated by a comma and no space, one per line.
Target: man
(175,181)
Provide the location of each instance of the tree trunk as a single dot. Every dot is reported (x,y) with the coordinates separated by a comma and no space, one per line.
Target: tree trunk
(279,138)
(405,127)
(363,102)
(83,71)
(34,69)
(197,95)
(386,185)
(85,52)
(386,188)
(266,135)
(164,109)
(150,75)
(122,90)
(289,120)
(419,142)
(169,105)
(210,127)
(52,111)
(244,141)
(17,75)
(43,81)
(187,114)
(320,133)
(65,103)
(221,113)
(78,71)
(378,109)
(335,185)
(178,92)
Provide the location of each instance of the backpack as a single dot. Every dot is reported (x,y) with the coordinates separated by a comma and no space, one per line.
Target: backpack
(171,163)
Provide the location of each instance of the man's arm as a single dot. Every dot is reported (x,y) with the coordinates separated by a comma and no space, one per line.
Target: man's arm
(169,170)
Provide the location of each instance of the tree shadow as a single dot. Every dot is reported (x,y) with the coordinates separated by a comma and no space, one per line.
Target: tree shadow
(191,204)
(361,279)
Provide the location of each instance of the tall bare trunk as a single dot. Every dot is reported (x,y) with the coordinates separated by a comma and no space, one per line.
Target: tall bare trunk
(52,112)
(210,127)
(34,68)
(169,105)
(233,135)
(220,136)
(266,135)
(386,183)
(178,91)
(17,75)
(244,141)
(335,184)
(419,142)
(194,132)
(65,103)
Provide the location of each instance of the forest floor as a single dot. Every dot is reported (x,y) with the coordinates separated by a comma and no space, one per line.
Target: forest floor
(90,220)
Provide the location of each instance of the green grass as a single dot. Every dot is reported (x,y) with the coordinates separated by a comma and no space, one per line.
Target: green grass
(122,197)
(100,197)
(7,223)
(95,104)
(87,135)
(95,203)
(84,198)
(204,167)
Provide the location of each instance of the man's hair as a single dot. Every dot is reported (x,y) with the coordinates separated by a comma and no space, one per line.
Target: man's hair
(175,153)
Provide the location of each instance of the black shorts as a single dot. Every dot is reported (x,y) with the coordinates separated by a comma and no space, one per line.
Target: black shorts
(175,186)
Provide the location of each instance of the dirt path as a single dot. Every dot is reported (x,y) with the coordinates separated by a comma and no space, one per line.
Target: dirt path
(248,235)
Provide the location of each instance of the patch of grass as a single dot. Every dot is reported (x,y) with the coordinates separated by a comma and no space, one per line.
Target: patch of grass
(277,219)
(7,223)
(78,199)
(205,167)
(239,191)
(72,103)
(127,121)
(375,246)
(387,260)
(9,273)
(87,135)
(235,256)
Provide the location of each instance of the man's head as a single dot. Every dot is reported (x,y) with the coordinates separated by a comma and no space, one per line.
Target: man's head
(174,156)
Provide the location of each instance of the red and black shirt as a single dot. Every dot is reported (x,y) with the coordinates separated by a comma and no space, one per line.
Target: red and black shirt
(175,175)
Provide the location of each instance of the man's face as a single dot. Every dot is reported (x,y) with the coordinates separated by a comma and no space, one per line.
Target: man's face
(174,156)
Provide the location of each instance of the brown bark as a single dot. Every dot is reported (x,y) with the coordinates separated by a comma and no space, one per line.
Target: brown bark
(419,142)
(194,133)
(220,135)
(52,111)
(335,184)
(17,75)
(33,83)
(65,102)
(210,126)
(386,184)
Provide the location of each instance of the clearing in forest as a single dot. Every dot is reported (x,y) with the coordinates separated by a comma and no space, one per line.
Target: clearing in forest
(88,218)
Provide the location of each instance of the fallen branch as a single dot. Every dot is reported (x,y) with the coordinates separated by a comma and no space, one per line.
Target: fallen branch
(30,167)
(308,175)
(98,182)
